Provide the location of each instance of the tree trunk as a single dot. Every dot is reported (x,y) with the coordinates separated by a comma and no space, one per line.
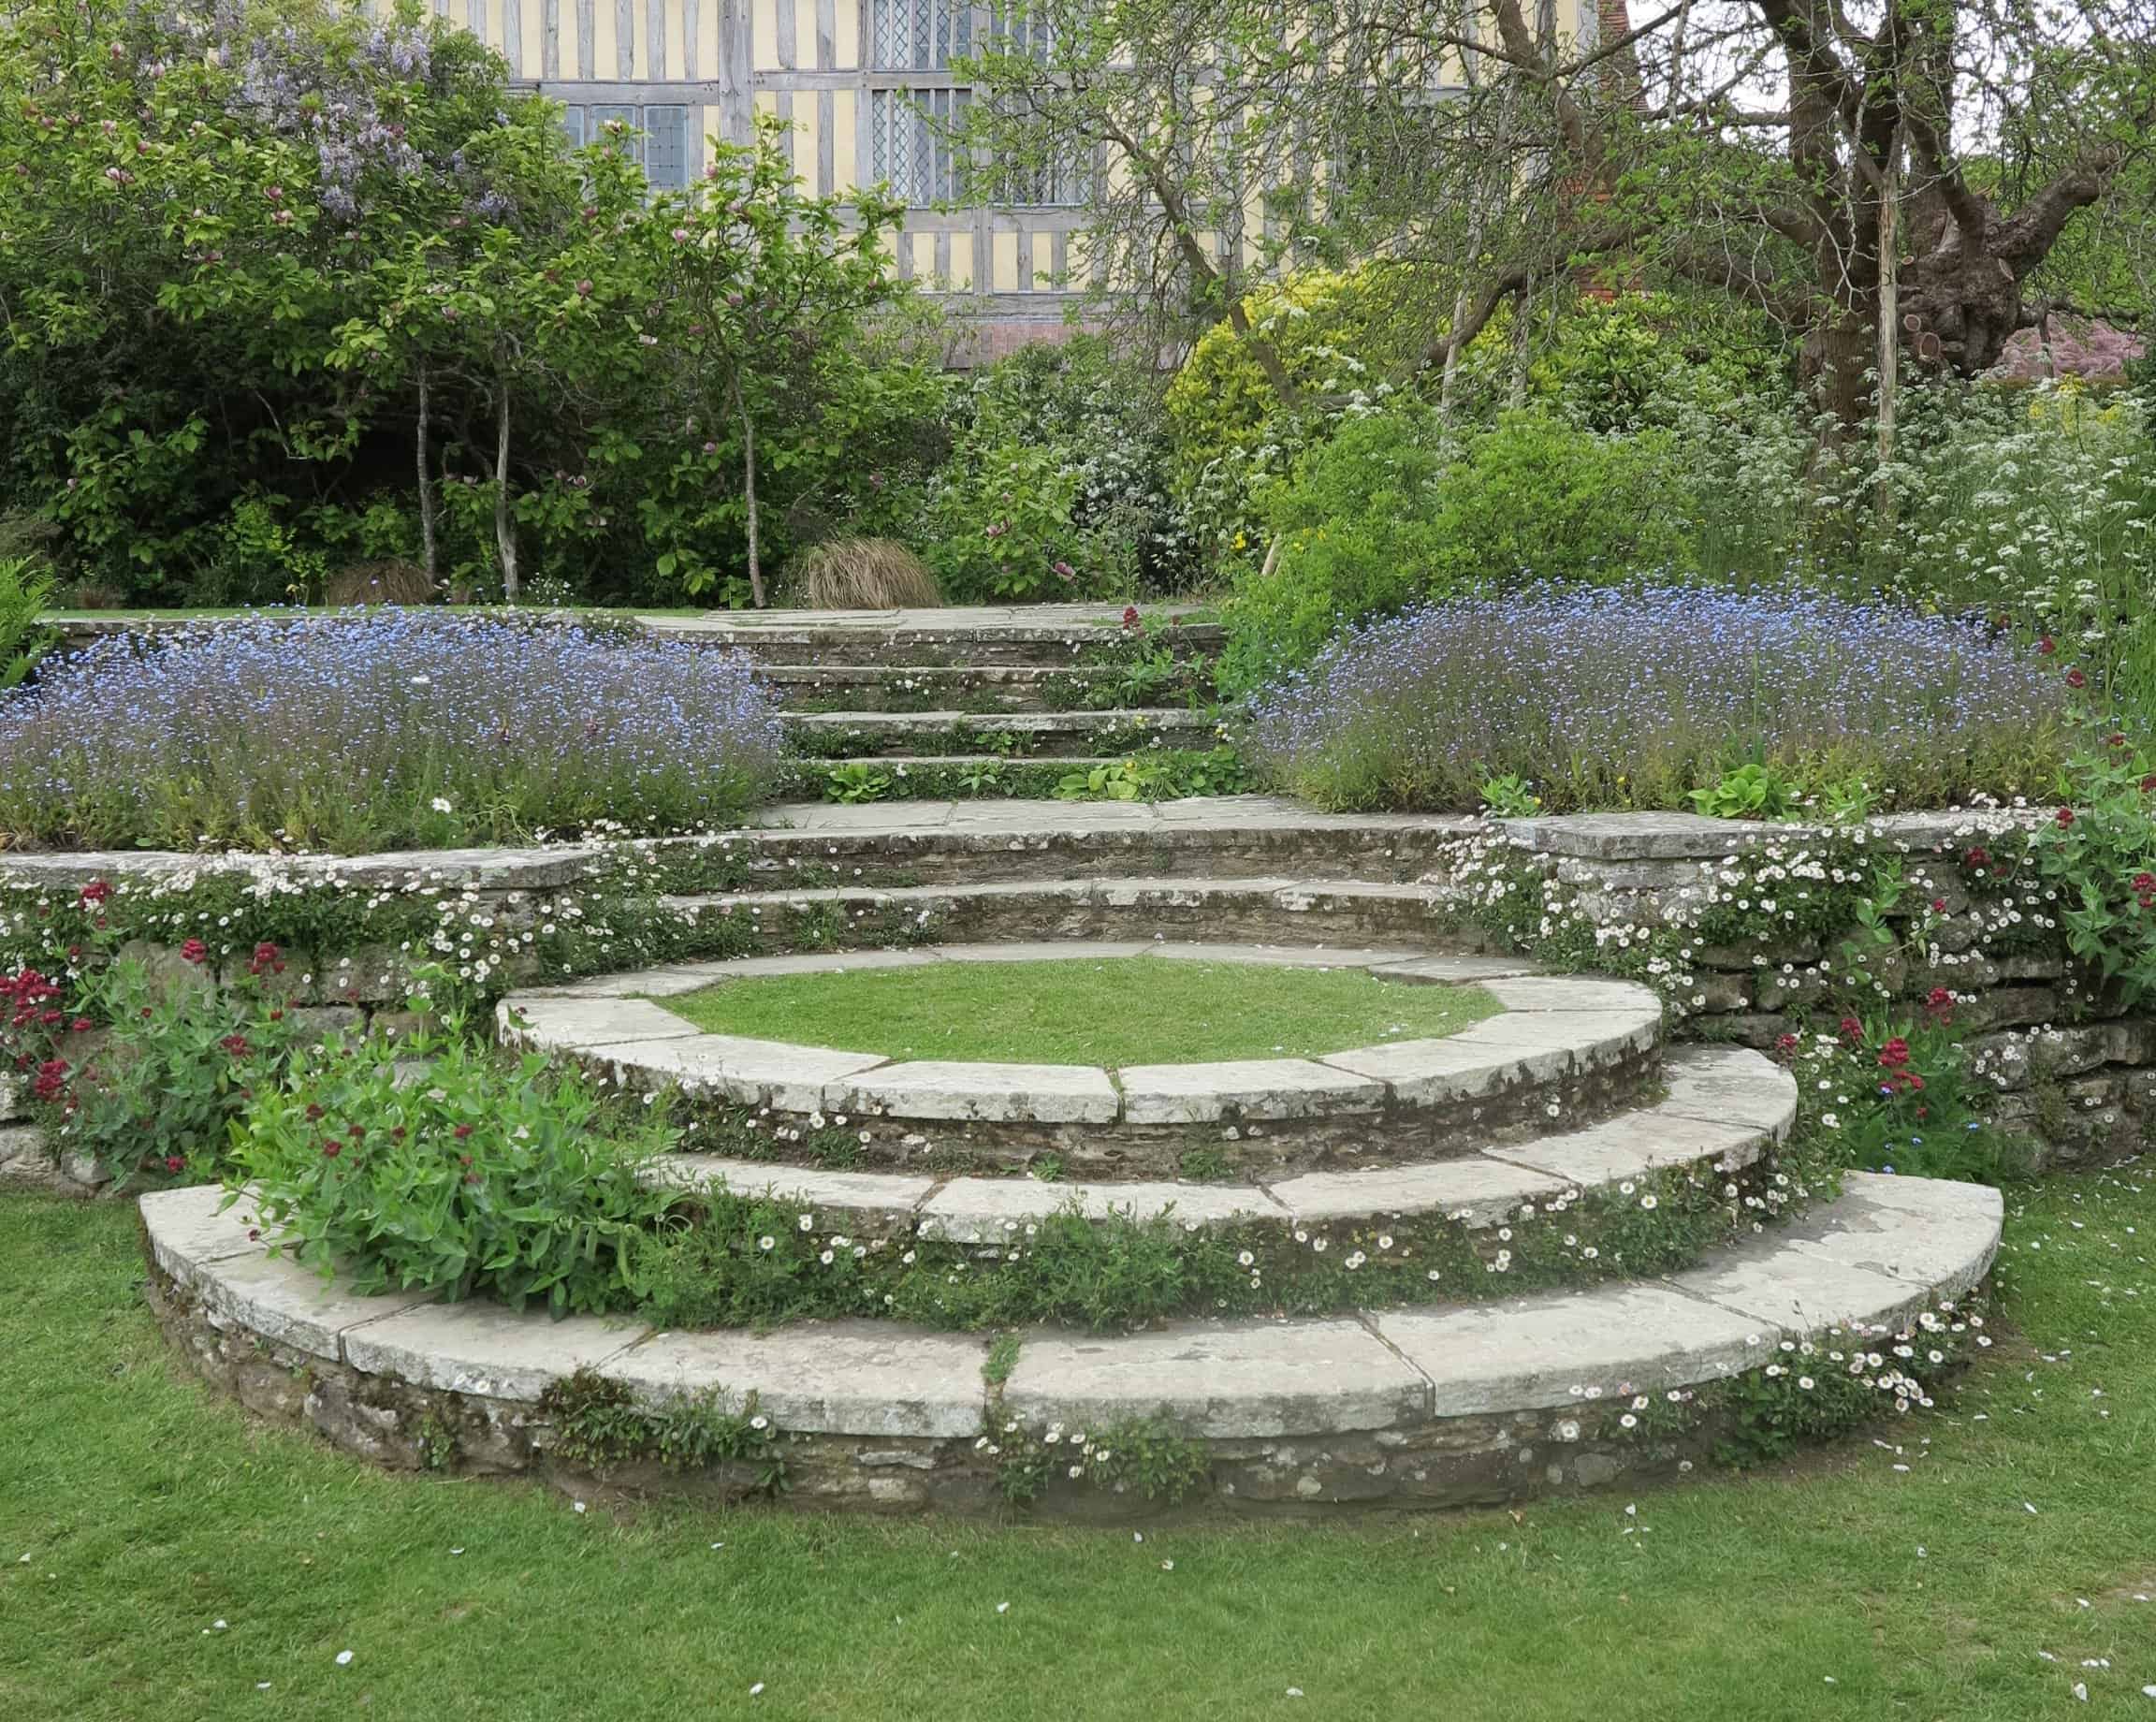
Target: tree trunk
(749,492)
(426,552)
(1890,324)
(504,529)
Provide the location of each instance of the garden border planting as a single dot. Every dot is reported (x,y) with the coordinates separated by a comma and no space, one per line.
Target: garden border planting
(1395,1408)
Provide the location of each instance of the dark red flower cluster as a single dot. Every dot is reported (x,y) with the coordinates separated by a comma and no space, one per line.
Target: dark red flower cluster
(1894,1055)
(1785,1046)
(52,1080)
(2064,818)
(1853,1031)
(2074,679)
(1976,857)
(1939,1005)
(268,959)
(1130,614)
(235,1045)
(95,892)
(2144,885)
(195,951)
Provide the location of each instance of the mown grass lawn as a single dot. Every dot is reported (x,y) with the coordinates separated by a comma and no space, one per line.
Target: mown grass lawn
(1119,1011)
(1966,1571)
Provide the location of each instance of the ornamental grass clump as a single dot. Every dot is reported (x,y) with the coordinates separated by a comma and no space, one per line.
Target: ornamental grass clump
(1634,697)
(379,729)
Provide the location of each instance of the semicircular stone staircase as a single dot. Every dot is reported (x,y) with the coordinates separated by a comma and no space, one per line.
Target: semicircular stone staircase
(1564,1118)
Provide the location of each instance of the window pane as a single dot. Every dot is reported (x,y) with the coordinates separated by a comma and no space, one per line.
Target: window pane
(666,147)
(919,35)
(630,144)
(573,125)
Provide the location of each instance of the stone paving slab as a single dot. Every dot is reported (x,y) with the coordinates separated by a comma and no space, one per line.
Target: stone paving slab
(486,1349)
(1279,955)
(998,1210)
(758,1073)
(1227,1381)
(1429,1072)
(991,1093)
(275,1297)
(189,1227)
(1479,1191)
(1635,1144)
(1260,1089)
(1547,1351)
(1537,993)
(858,1378)
(1552,1044)
(1907,1231)
(1702,1082)
(1455,970)
(571,1024)
(1794,1291)
(812,1186)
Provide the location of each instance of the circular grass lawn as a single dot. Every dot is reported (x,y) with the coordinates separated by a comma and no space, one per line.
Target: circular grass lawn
(1130,1010)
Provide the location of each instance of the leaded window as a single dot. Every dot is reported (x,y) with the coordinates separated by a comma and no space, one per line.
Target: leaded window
(910,36)
(910,148)
(656,139)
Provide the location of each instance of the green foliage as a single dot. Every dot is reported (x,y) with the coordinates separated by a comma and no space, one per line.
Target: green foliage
(597,1421)
(433,1164)
(1753,791)
(25,591)
(1165,774)
(1511,796)
(261,265)
(1388,511)
(147,1071)
(1003,529)
(1141,1455)
(2098,854)
(856,782)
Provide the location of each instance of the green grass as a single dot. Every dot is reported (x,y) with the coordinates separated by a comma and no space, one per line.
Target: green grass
(149,1510)
(1130,1010)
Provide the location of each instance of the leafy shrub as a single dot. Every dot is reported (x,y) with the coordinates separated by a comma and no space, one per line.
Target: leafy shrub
(436,1164)
(861,574)
(2098,856)
(377,729)
(146,1073)
(26,590)
(1382,514)
(1635,697)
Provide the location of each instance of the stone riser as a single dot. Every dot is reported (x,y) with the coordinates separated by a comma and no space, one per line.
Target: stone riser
(947,743)
(1167,853)
(1278,1148)
(1259,920)
(1055,648)
(989,689)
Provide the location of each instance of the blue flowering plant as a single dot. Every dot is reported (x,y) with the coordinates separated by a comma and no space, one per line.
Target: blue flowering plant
(1638,696)
(353,731)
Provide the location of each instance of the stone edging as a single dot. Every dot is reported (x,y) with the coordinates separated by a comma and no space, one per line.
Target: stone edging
(1725,1106)
(1409,1407)
(1556,1040)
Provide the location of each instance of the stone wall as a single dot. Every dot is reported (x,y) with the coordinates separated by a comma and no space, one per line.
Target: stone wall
(2073,1069)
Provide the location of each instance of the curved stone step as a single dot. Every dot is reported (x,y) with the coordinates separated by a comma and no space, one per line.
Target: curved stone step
(1282,909)
(1042,635)
(1722,1109)
(1403,1406)
(1001,842)
(1558,1047)
(1052,736)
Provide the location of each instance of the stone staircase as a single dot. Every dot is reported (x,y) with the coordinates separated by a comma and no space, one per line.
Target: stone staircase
(1563,1119)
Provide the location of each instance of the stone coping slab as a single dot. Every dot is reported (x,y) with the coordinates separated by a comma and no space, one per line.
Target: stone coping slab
(1481,1190)
(1692,836)
(1398,1369)
(1551,1026)
(545,865)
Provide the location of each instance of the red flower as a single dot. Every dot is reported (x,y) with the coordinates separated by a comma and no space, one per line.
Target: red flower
(331,1148)
(1976,855)
(173,1163)
(1938,905)
(2148,784)
(95,892)
(314,1113)
(2144,883)
(461,1131)
(267,958)
(1130,614)
(2047,645)
(1894,1055)
(235,1045)
(194,951)
(81,1025)
(2074,679)
(1853,1031)
(1785,1045)
(2064,816)
(2116,738)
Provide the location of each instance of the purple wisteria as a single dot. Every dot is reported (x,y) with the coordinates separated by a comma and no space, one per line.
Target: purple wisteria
(375,729)
(1632,697)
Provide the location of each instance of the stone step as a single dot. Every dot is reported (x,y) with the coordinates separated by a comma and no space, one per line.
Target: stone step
(925,734)
(1558,1047)
(1281,909)
(1722,1109)
(1057,636)
(982,690)
(1404,1407)
(991,842)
